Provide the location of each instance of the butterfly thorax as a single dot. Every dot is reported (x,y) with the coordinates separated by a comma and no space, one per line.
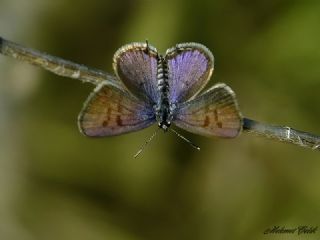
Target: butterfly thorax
(163,109)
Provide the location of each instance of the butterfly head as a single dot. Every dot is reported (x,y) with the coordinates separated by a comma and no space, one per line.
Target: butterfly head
(164,125)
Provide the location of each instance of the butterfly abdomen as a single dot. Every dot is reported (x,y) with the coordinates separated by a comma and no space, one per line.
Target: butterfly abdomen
(163,108)
(162,77)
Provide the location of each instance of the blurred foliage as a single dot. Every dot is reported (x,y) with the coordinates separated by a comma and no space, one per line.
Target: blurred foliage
(58,184)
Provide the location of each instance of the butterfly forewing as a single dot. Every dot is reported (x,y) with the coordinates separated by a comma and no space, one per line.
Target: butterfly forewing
(136,66)
(214,113)
(110,111)
(190,66)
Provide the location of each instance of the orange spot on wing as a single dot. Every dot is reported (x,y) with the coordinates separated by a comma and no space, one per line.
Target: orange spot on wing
(206,121)
(215,112)
(119,121)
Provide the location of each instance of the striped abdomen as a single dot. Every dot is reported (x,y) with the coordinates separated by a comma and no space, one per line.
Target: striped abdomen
(163,108)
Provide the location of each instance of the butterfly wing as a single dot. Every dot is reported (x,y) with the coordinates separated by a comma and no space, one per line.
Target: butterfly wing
(111,111)
(136,65)
(214,113)
(190,67)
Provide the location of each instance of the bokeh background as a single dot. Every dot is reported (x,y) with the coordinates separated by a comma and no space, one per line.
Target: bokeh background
(57,184)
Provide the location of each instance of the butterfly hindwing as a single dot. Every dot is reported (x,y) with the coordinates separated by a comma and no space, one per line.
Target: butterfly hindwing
(213,113)
(190,66)
(110,111)
(136,66)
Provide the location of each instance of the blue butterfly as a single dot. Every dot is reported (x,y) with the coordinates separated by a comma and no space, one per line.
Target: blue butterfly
(163,89)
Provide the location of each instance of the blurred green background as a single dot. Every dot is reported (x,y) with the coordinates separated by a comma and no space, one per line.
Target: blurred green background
(57,184)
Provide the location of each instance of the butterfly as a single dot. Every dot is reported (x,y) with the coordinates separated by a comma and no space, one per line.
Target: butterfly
(164,90)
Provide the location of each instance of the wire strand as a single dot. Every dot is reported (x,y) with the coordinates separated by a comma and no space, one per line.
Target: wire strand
(282,133)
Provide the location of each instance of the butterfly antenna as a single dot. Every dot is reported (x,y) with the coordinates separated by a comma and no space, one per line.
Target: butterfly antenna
(185,139)
(146,143)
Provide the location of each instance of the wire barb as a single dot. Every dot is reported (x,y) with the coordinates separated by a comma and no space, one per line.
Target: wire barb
(185,139)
